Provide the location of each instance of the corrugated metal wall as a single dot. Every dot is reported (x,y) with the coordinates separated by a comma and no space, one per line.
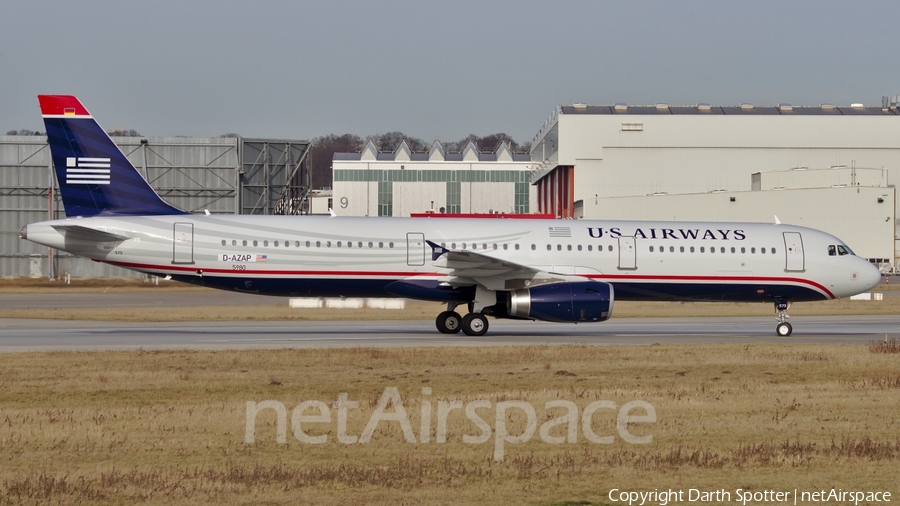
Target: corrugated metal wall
(24,178)
(192,173)
(274,176)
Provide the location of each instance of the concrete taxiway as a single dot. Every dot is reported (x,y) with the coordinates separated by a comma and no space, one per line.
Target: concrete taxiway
(44,335)
(137,299)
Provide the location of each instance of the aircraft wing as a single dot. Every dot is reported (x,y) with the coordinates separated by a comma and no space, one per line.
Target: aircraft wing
(81,233)
(472,268)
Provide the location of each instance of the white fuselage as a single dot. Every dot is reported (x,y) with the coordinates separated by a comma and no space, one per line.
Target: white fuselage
(348,256)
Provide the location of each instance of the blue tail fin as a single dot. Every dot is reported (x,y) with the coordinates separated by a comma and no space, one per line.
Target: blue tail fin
(95,177)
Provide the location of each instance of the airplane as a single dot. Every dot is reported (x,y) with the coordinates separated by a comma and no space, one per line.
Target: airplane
(569,271)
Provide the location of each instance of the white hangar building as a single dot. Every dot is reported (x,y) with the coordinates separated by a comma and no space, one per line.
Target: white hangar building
(370,183)
(827,167)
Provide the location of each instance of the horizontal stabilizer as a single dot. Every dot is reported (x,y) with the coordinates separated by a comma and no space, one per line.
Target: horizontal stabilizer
(80,233)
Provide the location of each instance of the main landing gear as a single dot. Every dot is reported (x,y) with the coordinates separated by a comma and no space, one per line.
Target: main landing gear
(450,322)
(783,328)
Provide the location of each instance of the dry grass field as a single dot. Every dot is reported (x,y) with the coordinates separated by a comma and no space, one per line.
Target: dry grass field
(168,427)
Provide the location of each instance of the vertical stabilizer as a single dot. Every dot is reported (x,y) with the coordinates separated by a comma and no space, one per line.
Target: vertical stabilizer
(95,177)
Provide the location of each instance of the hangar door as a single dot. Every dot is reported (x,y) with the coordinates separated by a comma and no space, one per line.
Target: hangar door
(183,244)
(793,249)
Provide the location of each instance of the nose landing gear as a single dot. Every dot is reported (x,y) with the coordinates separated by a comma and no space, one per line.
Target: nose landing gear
(783,328)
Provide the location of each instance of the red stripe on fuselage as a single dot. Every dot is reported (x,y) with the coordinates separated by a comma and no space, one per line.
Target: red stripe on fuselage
(407,274)
(180,268)
(747,279)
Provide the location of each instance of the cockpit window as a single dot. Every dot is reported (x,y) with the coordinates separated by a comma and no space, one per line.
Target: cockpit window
(832,251)
(843,250)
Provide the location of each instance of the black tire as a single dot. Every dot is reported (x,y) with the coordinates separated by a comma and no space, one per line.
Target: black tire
(784,329)
(448,322)
(475,324)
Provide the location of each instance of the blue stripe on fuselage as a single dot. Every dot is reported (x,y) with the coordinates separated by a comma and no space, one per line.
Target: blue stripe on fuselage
(343,287)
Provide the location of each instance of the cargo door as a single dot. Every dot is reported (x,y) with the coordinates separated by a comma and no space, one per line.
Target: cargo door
(793,250)
(183,244)
(415,248)
(627,253)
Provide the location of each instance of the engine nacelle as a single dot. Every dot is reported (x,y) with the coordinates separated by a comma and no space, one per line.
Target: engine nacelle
(586,301)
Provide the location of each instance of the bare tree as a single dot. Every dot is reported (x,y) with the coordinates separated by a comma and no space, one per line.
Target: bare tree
(24,131)
(321,152)
(391,140)
(486,144)
(124,133)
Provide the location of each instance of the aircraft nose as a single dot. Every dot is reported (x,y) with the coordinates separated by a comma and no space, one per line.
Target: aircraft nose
(870,275)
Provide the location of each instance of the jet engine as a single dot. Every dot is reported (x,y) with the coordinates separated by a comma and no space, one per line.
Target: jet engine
(585,301)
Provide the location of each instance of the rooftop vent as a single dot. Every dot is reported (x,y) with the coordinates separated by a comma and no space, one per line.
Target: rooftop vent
(662,106)
(785,107)
(827,107)
(580,105)
(621,107)
(745,106)
(704,107)
(857,105)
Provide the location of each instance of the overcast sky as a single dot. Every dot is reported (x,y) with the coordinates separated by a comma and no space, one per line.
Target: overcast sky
(431,69)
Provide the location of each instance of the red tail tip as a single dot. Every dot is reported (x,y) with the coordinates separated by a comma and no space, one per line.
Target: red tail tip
(61,105)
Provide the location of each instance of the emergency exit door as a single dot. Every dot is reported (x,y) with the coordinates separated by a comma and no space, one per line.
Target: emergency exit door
(415,248)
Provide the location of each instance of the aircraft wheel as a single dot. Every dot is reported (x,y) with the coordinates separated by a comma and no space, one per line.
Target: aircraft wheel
(448,322)
(784,329)
(475,324)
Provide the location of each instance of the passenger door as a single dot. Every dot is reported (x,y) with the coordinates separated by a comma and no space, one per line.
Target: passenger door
(627,253)
(795,260)
(183,243)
